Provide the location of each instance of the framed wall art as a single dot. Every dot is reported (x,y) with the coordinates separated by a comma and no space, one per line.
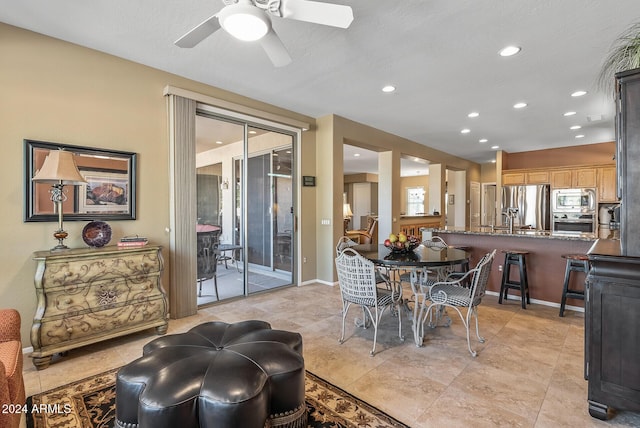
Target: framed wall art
(109,194)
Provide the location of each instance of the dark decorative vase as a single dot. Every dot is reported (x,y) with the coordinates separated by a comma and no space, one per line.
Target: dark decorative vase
(96,234)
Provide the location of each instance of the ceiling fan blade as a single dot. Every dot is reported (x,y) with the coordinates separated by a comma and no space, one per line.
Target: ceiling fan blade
(335,15)
(275,49)
(199,33)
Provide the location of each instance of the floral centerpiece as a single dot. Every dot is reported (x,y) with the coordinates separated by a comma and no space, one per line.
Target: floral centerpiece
(401,243)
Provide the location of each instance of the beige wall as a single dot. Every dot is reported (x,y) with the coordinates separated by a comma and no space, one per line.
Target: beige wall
(60,92)
(488,173)
(335,131)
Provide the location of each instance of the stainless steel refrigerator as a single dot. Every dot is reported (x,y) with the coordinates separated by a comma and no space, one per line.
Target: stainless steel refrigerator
(533,204)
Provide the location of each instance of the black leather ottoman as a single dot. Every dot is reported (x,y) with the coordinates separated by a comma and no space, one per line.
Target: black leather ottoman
(215,375)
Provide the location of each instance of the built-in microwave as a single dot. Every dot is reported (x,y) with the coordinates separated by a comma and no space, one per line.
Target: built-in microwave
(574,200)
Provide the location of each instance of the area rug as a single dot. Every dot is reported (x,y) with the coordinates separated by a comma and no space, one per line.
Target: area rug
(90,403)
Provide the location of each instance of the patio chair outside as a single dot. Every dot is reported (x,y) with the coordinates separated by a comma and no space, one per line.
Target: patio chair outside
(207,258)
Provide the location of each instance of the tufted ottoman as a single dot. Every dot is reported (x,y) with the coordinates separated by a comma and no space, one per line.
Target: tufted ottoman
(215,375)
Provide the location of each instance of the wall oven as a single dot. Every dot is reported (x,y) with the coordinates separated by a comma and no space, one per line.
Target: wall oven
(574,210)
(574,222)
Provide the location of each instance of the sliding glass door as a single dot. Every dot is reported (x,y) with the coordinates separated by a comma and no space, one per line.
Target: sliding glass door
(250,211)
(269,209)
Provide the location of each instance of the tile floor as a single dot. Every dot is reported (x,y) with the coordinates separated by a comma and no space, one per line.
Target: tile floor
(528,373)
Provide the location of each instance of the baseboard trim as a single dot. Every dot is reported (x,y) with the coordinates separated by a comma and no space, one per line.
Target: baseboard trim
(318,281)
(539,302)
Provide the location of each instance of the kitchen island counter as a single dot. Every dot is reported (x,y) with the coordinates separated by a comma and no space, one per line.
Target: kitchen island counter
(519,233)
(545,265)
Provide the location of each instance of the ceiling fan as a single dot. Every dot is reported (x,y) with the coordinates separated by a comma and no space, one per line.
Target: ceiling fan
(250,20)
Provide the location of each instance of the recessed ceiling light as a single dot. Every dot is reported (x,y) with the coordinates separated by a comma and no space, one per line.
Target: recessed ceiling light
(219,142)
(493,161)
(574,127)
(519,105)
(356,155)
(465,131)
(569,113)
(495,147)
(482,140)
(388,88)
(252,132)
(509,51)
(473,114)
(579,93)
(579,136)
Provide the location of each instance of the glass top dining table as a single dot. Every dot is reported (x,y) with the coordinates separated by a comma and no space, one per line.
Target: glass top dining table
(419,263)
(420,257)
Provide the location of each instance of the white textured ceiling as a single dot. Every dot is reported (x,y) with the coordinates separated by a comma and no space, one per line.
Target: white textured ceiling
(440,54)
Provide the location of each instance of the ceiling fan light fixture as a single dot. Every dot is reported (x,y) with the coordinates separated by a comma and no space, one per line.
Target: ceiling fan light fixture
(510,50)
(244,22)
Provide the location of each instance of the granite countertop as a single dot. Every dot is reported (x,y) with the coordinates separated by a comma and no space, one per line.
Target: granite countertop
(421,216)
(520,233)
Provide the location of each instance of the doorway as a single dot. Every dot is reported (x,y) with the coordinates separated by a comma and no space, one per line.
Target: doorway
(269,210)
(489,207)
(251,211)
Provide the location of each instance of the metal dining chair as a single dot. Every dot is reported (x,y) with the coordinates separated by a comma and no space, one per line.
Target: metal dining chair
(420,277)
(357,280)
(382,275)
(452,293)
(344,242)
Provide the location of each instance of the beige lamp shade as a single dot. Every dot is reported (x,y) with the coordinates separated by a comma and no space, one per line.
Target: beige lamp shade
(346,210)
(59,166)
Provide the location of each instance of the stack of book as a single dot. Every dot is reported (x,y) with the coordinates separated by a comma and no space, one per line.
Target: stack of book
(132,241)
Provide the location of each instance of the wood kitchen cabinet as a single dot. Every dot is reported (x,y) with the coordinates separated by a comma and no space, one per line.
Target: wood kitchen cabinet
(584,177)
(573,178)
(513,178)
(414,228)
(612,330)
(525,177)
(607,184)
(628,158)
(561,179)
(538,177)
(93,294)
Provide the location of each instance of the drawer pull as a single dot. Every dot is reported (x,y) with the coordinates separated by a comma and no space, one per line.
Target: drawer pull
(69,330)
(67,300)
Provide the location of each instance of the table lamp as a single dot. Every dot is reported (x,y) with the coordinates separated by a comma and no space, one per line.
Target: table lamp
(347,214)
(346,211)
(60,169)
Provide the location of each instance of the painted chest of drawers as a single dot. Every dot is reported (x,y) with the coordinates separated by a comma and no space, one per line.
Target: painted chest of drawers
(90,295)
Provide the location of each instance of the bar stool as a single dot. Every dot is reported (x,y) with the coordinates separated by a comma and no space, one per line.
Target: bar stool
(575,263)
(517,259)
